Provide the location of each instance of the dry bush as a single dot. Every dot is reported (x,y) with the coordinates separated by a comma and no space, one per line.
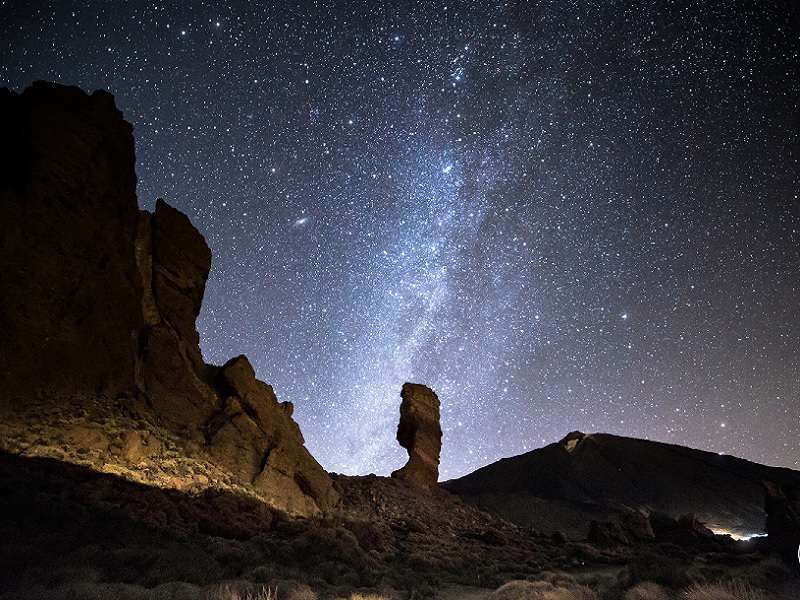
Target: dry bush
(227,592)
(647,590)
(735,590)
(542,590)
(367,597)
(664,570)
(301,592)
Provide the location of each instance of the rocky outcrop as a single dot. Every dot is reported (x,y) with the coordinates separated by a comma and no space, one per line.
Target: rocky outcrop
(173,262)
(279,466)
(630,528)
(69,311)
(782,505)
(419,432)
(100,301)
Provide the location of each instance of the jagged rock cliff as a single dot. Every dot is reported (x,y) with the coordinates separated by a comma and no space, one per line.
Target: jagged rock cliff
(100,300)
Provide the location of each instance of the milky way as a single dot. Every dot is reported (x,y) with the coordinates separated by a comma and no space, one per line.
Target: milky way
(558,215)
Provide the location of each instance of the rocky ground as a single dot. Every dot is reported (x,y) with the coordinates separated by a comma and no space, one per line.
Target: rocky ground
(95,496)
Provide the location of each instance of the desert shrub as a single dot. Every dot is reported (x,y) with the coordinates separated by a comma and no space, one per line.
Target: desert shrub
(317,544)
(604,585)
(542,590)
(367,597)
(174,590)
(663,570)
(84,591)
(735,590)
(262,574)
(300,591)
(647,590)
(370,536)
(767,573)
(557,578)
(227,592)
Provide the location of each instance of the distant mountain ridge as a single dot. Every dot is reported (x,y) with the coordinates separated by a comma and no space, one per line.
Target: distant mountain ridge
(601,474)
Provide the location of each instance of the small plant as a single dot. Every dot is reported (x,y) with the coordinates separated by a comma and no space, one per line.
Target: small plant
(647,590)
(226,592)
(542,590)
(666,571)
(301,592)
(734,590)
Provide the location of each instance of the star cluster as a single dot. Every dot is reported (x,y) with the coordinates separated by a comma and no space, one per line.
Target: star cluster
(559,214)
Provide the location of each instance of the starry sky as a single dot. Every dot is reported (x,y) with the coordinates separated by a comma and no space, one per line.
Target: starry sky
(558,214)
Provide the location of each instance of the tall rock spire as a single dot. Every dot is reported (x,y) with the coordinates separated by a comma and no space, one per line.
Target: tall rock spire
(419,432)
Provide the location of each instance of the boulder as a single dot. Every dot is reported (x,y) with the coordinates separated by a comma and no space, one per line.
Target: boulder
(637,525)
(631,527)
(686,530)
(607,533)
(420,433)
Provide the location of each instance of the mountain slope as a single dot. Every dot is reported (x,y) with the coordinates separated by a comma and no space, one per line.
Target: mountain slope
(599,474)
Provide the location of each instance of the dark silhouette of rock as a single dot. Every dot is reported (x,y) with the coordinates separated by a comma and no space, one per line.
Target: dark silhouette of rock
(419,432)
(100,301)
(607,533)
(782,505)
(603,475)
(632,527)
(69,311)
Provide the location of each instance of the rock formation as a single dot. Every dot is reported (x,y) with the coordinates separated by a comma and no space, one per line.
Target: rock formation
(100,299)
(782,505)
(598,476)
(419,432)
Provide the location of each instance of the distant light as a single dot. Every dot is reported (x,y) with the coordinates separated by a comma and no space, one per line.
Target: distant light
(739,537)
(301,221)
(447,169)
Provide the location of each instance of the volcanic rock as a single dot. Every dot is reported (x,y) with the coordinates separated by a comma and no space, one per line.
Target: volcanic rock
(419,432)
(631,527)
(601,476)
(782,505)
(69,311)
(100,301)
(279,467)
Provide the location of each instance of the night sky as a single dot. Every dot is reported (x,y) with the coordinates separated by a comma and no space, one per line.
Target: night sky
(559,215)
